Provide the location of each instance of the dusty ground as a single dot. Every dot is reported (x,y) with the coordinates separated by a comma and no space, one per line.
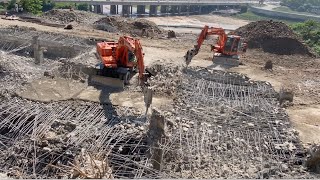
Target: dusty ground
(197,21)
(301,73)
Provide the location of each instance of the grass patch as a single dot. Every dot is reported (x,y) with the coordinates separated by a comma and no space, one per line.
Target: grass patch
(288,10)
(250,16)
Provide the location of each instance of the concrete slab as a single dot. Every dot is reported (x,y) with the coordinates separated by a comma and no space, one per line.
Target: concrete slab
(106,81)
(46,90)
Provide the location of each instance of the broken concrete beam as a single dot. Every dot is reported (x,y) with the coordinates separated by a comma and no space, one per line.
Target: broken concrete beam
(156,131)
(37,50)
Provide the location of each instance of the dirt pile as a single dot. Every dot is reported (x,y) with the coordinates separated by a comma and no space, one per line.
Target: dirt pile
(65,16)
(273,37)
(132,26)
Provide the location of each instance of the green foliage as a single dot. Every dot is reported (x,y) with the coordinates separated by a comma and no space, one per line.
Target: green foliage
(310,33)
(302,5)
(32,6)
(11,4)
(83,7)
(63,5)
(2,5)
(250,16)
(47,5)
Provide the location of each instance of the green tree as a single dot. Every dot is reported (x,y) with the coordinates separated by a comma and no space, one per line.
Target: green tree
(11,4)
(47,5)
(310,33)
(83,7)
(33,6)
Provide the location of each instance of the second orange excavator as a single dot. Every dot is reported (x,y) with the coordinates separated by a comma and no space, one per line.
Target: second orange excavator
(121,59)
(226,51)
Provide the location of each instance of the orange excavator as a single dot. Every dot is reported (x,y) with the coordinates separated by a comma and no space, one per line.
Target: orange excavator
(226,51)
(121,59)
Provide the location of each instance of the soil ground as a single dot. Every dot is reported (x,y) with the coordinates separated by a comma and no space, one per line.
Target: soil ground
(299,72)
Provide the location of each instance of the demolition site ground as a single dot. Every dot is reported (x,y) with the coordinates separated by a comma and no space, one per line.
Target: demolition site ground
(205,121)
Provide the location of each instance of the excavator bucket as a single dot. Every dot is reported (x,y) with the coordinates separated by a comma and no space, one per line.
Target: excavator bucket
(106,81)
(189,55)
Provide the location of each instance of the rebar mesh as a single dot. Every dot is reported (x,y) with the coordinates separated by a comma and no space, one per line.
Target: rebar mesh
(227,126)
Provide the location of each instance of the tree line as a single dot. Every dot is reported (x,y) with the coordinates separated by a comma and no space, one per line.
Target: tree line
(39,6)
(312,6)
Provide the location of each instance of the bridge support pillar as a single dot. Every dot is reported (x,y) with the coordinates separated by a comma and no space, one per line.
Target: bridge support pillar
(125,10)
(97,9)
(164,9)
(200,9)
(174,9)
(141,9)
(179,10)
(153,10)
(113,9)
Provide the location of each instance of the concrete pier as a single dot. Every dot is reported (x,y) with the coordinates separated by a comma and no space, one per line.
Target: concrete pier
(153,10)
(141,9)
(164,9)
(126,10)
(113,9)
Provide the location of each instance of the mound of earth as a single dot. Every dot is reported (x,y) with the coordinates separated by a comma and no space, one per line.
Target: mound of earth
(131,26)
(65,16)
(273,37)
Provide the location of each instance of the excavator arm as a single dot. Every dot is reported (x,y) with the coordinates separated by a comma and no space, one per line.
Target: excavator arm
(206,31)
(140,61)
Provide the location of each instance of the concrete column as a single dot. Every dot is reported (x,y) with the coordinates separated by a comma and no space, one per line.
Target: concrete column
(174,9)
(141,10)
(113,9)
(200,8)
(97,9)
(188,10)
(179,10)
(153,10)
(101,9)
(125,10)
(155,133)
(117,9)
(164,9)
(183,8)
(37,51)
(90,7)
(194,9)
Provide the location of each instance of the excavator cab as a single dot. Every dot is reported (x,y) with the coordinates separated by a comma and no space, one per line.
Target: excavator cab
(232,45)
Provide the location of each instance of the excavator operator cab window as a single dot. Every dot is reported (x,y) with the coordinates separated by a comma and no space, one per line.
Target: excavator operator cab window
(228,44)
(131,56)
(235,46)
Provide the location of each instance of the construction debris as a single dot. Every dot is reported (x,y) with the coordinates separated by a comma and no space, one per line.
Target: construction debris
(273,37)
(268,65)
(69,26)
(285,94)
(313,161)
(171,34)
(66,16)
(131,26)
